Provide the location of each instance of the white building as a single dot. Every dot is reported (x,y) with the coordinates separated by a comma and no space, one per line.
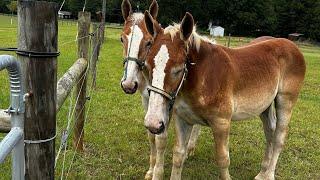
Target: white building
(64,14)
(216,30)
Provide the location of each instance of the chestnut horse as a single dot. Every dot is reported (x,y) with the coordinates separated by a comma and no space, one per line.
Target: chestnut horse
(136,41)
(211,85)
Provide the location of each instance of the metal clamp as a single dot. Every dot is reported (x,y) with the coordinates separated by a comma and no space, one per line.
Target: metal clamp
(11,110)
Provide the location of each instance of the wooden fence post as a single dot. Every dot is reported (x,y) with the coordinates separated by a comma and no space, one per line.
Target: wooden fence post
(38,31)
(95,45)
(84,21)
(103,20)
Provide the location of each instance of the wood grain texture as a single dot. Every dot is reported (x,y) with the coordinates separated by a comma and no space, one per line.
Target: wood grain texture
(81,89)
(38,31)
(103,20)
(69,80)
(96,45)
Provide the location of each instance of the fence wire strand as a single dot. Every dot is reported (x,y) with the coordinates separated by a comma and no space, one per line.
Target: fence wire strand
(85,119)
(71,115)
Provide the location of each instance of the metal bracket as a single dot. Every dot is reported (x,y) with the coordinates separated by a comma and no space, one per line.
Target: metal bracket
(11,110)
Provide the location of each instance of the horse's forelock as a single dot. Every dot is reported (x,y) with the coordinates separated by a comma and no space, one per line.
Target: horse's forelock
(194,40)
(137,17)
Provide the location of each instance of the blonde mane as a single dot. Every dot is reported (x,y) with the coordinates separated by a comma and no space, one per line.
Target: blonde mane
(194,40)
(137,17)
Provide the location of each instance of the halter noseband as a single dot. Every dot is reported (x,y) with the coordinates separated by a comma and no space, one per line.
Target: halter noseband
(139,62)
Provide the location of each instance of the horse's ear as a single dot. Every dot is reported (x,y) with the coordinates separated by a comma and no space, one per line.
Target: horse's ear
(186,26)
(149,23)
(126,9)
(153,9)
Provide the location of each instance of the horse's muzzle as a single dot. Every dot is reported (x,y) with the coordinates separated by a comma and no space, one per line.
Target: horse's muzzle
(156,129)
(129,88)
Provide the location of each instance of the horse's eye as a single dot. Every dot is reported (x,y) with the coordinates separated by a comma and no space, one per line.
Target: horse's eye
(121,39)
(149,43)
(176,73)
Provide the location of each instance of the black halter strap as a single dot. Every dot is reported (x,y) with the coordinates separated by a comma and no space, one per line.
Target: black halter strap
(139,62)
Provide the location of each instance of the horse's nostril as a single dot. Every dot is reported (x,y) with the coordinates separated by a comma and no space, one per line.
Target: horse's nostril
(162,127)
(121,84)
(135,85)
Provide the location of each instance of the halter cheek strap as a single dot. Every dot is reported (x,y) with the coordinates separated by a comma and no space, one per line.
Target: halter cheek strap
(140,63)
(170,96)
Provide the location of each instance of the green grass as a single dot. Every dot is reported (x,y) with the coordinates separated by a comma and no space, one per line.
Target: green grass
(116,145)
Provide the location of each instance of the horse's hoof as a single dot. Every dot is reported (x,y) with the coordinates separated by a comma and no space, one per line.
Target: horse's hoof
(190,152)
(264,176)
(148,176)
(225,178)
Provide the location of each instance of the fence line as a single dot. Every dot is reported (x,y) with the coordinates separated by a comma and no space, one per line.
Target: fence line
(42,134)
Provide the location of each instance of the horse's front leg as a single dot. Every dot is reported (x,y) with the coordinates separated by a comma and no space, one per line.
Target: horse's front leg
(221,129)
(153,152)
(193,139)
(183,131)
(152,139)
(161,144)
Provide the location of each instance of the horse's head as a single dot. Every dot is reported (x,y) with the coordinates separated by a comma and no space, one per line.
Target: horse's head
(136,42)
(166,63)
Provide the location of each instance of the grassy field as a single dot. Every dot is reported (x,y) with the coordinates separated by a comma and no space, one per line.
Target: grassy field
(116,145)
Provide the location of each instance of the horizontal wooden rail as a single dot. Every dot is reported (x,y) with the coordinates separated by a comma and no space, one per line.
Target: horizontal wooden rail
(68,80)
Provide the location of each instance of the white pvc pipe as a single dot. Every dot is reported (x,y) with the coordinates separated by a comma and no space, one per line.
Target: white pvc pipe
(9,142)
(14,140)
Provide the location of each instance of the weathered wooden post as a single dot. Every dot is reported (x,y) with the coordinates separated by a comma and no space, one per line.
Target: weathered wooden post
(103,20)
(84,21)
(95,45)
(37,40)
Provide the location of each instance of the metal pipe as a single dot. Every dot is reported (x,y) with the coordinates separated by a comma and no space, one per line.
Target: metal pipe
(9,142)
(15,139)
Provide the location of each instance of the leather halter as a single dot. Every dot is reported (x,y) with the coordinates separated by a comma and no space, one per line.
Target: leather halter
(172,95)
(140,63)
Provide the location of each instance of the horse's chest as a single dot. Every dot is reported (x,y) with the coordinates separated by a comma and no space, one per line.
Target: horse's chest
(184,110)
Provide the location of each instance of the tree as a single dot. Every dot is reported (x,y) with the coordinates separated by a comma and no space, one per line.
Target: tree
(12,6)
(3,6)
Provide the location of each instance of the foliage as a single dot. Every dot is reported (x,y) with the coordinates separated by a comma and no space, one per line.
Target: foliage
(238,17)
(116,143)
(12,6)
(3,6)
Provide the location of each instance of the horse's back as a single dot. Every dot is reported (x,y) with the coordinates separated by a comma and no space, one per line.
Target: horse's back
(261,39)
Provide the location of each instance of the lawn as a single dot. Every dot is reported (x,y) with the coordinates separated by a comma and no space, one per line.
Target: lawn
(116,145)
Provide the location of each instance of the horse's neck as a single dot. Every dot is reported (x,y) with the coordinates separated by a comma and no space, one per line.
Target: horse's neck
(210,71)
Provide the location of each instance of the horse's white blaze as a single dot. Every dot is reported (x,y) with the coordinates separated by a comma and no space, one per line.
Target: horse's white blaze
(134,40)
(160,62)
(156,101)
